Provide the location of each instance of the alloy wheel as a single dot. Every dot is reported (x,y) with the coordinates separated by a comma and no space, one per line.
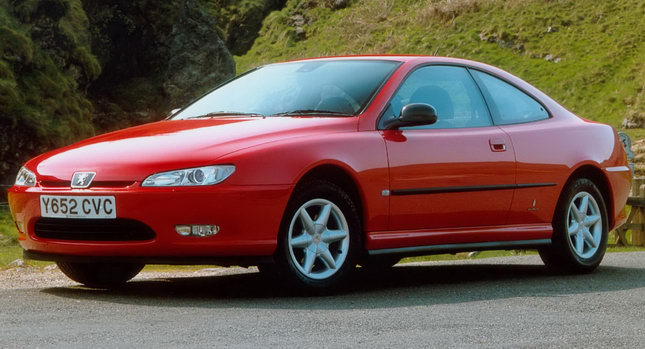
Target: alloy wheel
(318,239)
(584,225)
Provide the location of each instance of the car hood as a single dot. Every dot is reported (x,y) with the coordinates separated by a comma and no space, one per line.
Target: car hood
(133,154)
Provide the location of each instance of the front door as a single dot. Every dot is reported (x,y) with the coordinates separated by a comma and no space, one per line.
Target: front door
(458,172)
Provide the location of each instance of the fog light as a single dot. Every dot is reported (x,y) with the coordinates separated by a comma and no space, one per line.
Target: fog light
(183,230)
(197,230)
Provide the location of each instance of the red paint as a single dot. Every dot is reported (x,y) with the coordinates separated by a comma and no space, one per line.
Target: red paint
(448,158)
(394,239)
(272,154)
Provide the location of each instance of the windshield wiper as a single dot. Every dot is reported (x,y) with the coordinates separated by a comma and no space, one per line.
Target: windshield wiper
(225,113)
(310,112)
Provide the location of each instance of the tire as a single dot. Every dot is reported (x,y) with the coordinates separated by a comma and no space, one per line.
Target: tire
(580,228)
(319,237)
(100,275)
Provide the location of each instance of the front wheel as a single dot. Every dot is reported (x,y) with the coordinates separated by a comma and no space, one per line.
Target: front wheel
(100,275)
(580,228)
(319,238)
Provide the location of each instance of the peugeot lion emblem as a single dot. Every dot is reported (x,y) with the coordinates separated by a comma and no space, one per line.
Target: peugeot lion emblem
(82,179)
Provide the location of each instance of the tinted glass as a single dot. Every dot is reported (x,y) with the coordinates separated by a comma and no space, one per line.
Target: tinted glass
(337,87)
(450,90)
(510,105)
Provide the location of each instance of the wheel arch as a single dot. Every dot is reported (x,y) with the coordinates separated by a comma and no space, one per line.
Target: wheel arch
(340,176)
(596,175)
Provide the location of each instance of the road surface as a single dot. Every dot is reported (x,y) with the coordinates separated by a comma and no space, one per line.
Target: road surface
(496,302)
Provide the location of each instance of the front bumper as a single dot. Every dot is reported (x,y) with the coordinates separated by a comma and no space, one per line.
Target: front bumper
(248,216)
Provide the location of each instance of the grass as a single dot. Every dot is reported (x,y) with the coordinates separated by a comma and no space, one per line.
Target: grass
(9,248)
(598,45)
(504,253)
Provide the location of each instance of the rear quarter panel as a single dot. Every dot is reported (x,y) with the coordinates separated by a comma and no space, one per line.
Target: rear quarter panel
(550,151)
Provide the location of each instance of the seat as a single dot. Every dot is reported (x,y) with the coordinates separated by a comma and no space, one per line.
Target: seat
(436,97)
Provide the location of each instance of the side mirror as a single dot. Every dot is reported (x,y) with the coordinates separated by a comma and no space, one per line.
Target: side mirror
(414,114)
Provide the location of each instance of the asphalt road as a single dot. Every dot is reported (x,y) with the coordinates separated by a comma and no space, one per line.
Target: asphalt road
(501,302)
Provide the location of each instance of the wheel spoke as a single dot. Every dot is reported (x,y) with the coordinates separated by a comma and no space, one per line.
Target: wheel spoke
(588,238)
(584,205)
(306,220)
(580,243)
(576,213)
(330,236)
(326,256)
(573,228)
(301,241)
(323,216)
(591,220)
(310,258)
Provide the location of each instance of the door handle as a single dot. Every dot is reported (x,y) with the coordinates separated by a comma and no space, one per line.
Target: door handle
(497,144)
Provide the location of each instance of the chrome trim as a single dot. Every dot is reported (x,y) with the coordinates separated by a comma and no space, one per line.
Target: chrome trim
(466,246)
(617,169)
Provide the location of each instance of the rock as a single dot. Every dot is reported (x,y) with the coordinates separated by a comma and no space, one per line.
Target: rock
(45,68)
(157,56)
(51,267)
(634,119)
(300,33)
(18,263)
(502,39)
(338,4)
(549,57)
(241,23)
(557,60)
(298,20)
(197,57)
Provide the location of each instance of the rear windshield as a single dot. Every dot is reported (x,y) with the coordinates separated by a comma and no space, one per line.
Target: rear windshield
(340,88)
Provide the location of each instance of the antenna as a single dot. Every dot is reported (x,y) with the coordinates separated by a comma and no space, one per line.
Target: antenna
(436,51)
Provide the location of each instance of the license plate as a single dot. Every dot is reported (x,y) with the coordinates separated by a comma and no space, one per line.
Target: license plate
(90,207)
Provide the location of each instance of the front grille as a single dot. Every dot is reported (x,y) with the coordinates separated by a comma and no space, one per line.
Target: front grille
(95,184)
(119,229)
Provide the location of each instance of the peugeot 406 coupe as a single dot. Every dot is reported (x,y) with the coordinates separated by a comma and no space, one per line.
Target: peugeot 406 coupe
(311,168)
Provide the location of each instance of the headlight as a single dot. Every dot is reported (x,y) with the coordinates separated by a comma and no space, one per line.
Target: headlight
(192,176)
(25,178)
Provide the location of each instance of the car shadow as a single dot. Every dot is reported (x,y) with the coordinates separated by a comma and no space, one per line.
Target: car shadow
(401,286)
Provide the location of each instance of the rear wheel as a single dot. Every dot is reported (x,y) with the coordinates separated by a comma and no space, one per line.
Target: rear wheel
(100,275)
(580,228)
(319,238)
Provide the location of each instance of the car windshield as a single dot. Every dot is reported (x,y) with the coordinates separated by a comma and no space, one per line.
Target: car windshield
(337,88)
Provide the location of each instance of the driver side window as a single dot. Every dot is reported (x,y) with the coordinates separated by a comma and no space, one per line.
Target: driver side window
(450,90)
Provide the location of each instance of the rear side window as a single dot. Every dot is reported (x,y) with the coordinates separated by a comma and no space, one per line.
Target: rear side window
(510,105)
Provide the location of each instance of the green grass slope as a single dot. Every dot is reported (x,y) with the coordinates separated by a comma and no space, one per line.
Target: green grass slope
(587,54)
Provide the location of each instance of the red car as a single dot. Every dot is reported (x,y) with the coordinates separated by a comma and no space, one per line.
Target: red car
(310,168)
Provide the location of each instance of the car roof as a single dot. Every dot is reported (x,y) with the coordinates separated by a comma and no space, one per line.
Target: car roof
(390,57)
(413,59)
